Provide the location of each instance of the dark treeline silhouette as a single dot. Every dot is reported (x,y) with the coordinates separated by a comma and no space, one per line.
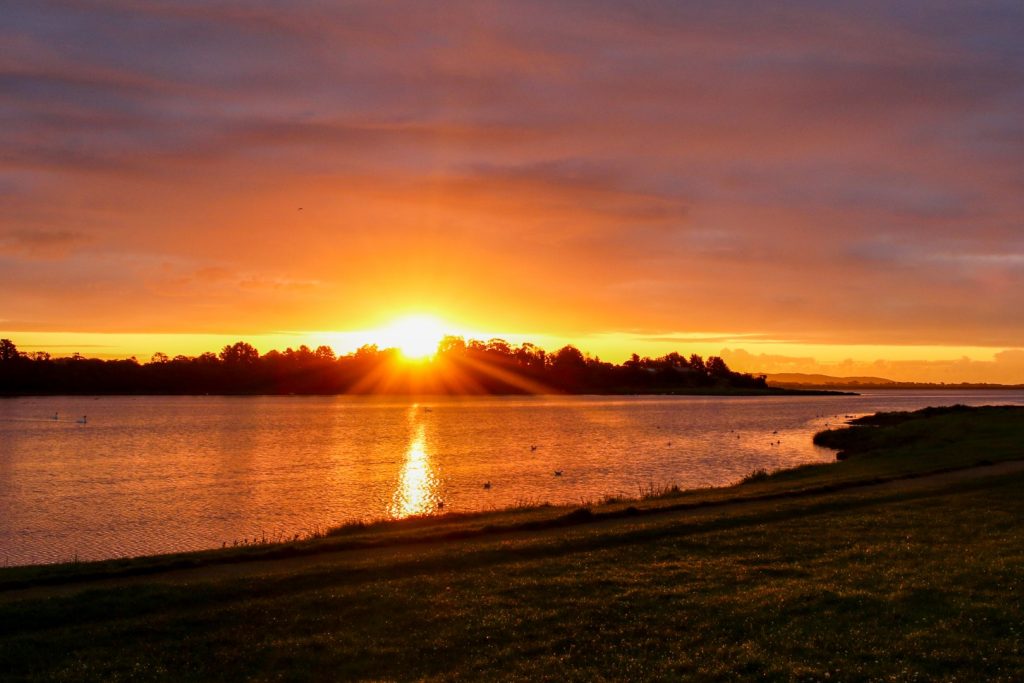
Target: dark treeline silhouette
(459,367)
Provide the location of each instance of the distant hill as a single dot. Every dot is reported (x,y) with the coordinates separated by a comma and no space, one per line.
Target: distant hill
(799,380)
(803,379)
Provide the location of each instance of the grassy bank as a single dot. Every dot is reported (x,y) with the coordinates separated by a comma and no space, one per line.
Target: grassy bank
(793,576)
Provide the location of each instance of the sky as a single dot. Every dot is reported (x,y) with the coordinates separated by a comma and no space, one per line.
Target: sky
(797,186)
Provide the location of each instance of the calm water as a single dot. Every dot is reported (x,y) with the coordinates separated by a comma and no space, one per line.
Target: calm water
(159,474)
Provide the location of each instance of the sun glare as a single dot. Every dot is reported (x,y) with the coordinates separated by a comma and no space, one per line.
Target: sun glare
(416,336)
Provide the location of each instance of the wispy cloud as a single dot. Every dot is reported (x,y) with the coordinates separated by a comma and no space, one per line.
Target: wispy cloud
(40,243)
(840,172)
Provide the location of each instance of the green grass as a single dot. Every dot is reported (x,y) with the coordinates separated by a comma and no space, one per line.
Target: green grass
(913,581)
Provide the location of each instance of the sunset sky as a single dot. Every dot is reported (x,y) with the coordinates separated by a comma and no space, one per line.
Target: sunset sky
(828,187)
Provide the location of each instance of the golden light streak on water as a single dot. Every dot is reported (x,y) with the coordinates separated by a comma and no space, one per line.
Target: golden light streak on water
(416,493)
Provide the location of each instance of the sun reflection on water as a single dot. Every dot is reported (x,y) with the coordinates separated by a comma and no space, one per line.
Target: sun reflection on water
(417,491)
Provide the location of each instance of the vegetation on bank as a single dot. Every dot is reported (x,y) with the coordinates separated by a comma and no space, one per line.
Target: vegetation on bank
(459,367)
(933,434)
(809,576)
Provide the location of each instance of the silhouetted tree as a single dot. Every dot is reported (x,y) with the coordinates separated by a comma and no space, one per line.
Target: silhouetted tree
(239,353)
(495,366)
(367,351)
(499,347)
(451,346)
(8,351)
(568,357)
(697,363)
(716,367)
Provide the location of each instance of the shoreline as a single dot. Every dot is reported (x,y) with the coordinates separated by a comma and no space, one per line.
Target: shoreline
(771,391)
(616,510)
(814,572)
(759,486)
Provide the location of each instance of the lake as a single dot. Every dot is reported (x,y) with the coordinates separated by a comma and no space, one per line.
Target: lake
(155,474)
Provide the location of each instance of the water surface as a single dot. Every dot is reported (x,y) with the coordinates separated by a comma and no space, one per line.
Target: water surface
(150,474)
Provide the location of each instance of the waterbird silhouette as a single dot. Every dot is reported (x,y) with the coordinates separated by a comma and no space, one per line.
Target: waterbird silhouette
(487,485)
(56,416)
(83,420)
(534,447)
(440,505)
(558,473)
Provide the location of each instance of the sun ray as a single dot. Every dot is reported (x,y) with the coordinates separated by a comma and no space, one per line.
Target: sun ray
(524,384)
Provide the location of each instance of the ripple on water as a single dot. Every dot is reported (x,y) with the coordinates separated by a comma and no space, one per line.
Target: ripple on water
(165,474)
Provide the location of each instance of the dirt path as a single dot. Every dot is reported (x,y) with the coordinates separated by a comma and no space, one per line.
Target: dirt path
(966,474)
(354,560)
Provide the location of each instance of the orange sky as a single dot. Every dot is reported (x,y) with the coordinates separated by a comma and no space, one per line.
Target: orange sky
(796,188)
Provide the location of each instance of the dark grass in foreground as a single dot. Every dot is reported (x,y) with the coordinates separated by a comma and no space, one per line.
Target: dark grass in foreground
(857,584)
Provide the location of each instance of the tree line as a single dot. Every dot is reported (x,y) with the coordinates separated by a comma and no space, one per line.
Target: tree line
(459,367)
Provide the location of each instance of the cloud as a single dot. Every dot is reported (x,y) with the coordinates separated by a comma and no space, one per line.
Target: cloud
(840,173)
(41,243)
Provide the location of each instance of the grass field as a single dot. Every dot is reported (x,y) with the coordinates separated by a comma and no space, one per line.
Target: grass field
(859,570)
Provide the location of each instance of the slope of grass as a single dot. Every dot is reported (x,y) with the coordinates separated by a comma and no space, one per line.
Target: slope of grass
(930,437)
(868,586)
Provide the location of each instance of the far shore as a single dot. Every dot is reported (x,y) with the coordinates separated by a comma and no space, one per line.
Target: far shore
(894,386)
(709,391)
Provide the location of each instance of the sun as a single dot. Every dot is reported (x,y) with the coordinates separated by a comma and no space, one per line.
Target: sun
(415,336)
